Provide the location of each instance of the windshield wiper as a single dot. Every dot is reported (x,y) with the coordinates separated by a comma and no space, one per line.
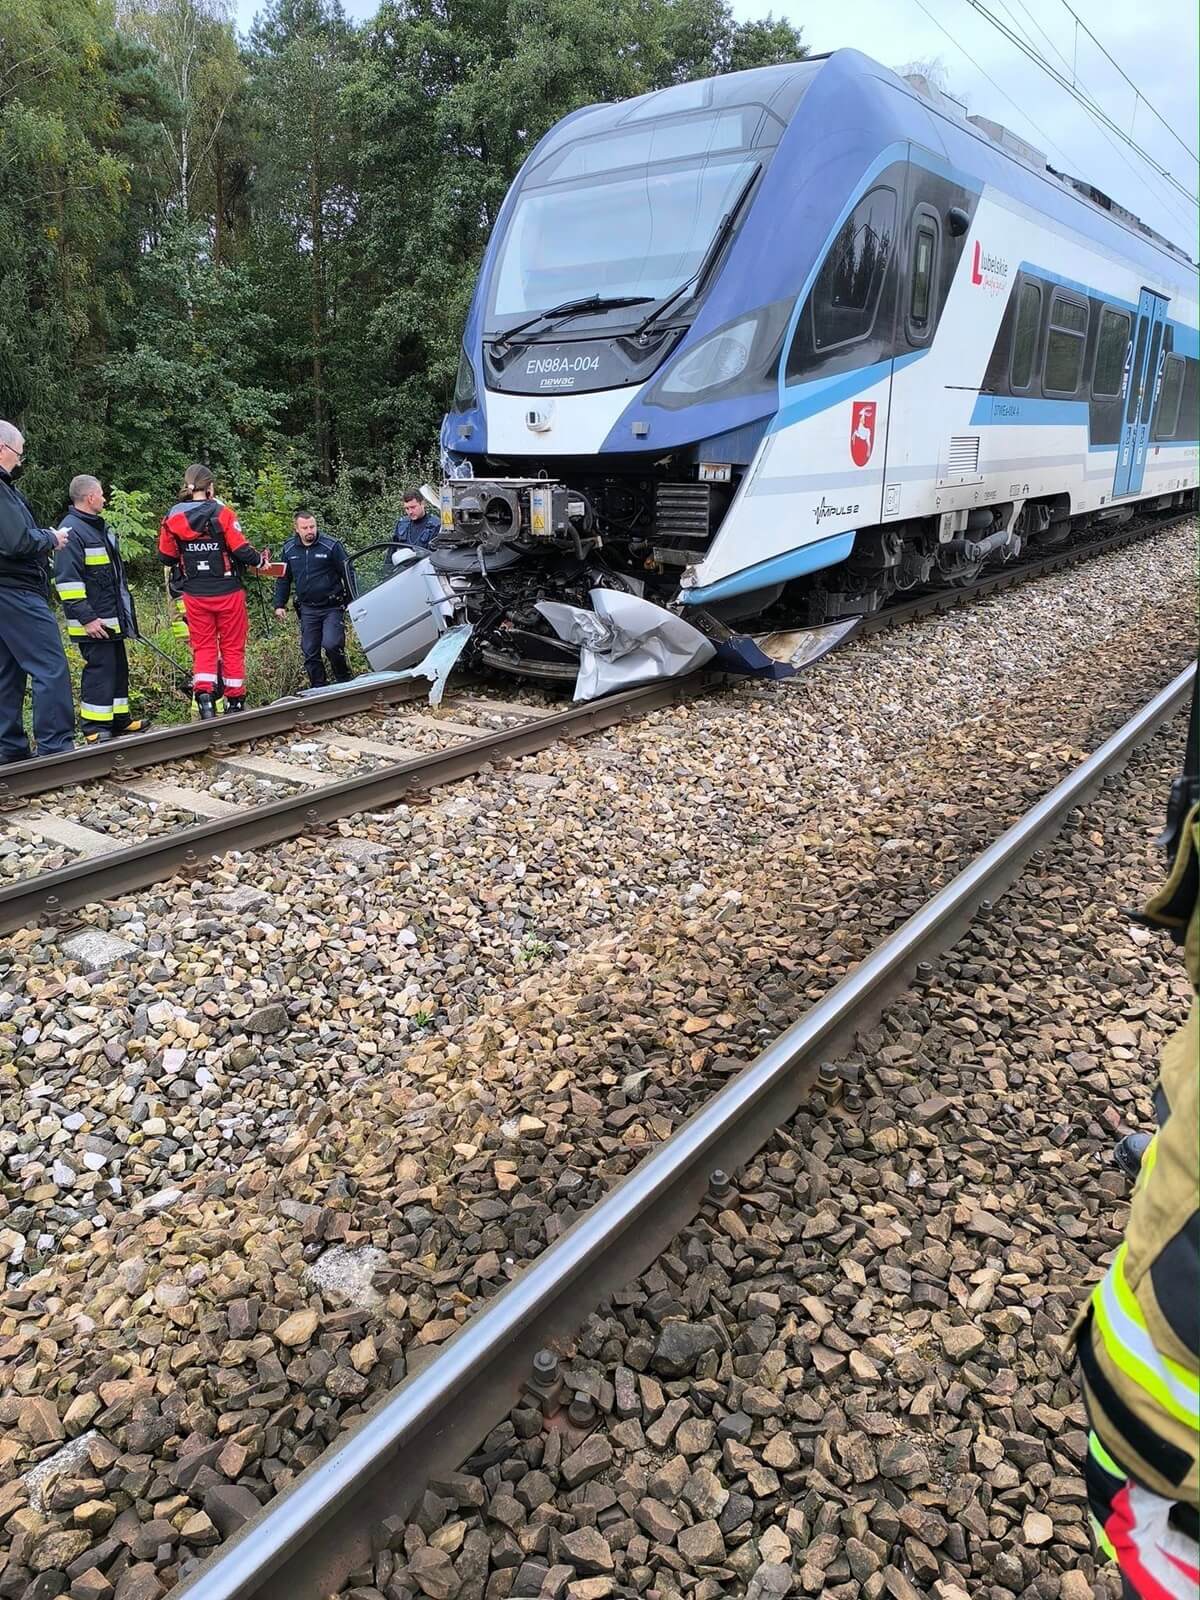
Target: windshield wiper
(724,229)
(572,308)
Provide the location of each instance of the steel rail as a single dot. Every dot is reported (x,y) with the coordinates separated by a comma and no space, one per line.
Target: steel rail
(119,757)
(93,878)
(305,1544)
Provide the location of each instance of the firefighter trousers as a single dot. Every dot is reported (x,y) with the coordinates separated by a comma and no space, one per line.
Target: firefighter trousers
(104,683)
(218,627)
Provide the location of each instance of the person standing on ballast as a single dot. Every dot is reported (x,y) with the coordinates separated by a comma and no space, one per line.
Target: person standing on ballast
(31,647)
(90,579)
(315,566)
(202,539)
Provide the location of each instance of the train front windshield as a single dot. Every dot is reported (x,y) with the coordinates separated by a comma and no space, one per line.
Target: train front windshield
(626,213)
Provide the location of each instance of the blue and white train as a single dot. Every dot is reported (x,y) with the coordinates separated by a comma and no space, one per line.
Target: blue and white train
(767,348)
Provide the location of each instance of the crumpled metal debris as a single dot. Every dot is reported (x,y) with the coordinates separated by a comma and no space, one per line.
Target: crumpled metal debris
(625,640)
(440,662)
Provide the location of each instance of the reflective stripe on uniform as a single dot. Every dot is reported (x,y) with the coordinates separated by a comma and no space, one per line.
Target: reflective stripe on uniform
(1148,1160)
(121,707)
(1098,1453)
(235,683)
(78,630)
(1128,1344)
(91,713)
(97,558)
(71,591)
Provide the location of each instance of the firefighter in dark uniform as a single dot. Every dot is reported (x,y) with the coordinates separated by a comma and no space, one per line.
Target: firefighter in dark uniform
(1139,1333)
(90,578)
(316,569)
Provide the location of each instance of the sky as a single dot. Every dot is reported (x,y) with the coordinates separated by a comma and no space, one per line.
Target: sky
(1154,41)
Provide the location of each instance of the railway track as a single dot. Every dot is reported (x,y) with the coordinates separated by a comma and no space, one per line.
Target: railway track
(393,769)
(325,1526)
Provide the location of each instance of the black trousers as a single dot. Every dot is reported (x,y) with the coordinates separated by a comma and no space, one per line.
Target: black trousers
(104,684)
(324,629)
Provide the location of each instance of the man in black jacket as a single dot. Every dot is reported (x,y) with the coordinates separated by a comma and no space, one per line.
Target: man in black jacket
(316,565)
(417,528)
(90,578)
(30,644)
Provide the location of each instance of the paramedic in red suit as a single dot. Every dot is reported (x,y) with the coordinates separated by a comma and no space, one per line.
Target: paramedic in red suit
(200,537)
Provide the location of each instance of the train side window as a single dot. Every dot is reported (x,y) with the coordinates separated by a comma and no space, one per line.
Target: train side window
(846,294)
(1167,419)
(924,263)
(1025,335)
(1065,340)
(1112,342)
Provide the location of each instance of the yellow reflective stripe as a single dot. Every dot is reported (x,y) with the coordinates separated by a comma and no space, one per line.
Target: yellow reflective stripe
(95,713)
(1101,1538)
(70,591)
(1129,1345)
(1097,1451)
(76,630)
(97,558)
(120,705)
(1148,1160)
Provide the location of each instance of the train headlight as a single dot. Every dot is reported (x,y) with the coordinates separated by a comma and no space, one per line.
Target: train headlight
(715,360)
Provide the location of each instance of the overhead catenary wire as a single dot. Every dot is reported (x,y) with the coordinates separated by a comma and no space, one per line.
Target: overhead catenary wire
(1021,112)
(1148,103)
(1064,83)
(1163,195)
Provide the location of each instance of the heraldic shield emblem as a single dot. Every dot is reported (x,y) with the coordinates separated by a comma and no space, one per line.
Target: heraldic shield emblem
(862,431)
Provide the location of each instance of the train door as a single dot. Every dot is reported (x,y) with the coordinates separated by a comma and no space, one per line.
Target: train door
(1143,370)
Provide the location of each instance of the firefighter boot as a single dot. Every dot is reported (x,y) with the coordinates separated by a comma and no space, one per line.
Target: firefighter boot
(204,705)
(98,736)
(234,703)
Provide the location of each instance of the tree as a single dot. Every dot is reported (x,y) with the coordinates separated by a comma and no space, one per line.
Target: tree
(194,43)
(304,54)
(185,386)
(73,99)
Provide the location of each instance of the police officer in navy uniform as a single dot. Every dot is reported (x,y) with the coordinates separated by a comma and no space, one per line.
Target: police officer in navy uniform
(90,577)
(316,566)
(418,526)
(31,646)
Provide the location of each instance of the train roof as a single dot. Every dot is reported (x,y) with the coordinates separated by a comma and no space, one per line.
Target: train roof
(779,91)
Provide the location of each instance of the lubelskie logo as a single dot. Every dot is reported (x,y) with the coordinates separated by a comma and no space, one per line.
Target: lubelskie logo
(826,510)
(987,270)
(862,431)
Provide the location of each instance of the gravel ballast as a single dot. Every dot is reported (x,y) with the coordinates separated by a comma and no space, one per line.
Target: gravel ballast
(441,1033)
(850,1377)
